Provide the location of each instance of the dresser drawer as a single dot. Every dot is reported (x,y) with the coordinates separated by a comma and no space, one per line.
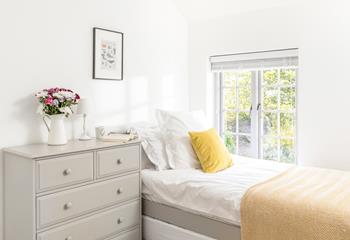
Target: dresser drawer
(98,226)
(132,235)
(62,171)
(116,161)
(71,203)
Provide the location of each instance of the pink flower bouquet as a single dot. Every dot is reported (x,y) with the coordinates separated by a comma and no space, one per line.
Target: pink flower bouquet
(57,101)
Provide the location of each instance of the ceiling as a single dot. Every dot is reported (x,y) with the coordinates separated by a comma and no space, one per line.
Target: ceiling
(199,10)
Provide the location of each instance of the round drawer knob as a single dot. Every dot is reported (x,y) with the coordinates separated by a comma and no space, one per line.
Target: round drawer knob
(119,161)
(69,238)
(120,220)
(68,205)
(67,172)
(120,190)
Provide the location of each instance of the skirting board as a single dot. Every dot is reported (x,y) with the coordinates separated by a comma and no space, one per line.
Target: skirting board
(190,221)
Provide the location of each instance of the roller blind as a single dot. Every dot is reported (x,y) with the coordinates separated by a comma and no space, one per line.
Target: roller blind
(255,60)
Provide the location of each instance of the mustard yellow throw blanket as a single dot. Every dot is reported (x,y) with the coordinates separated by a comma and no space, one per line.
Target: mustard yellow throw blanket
(300,204)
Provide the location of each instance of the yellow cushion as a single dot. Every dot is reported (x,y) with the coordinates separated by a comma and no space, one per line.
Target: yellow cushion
(211,152)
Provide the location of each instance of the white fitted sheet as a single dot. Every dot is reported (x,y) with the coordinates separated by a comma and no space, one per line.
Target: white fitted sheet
(215,195)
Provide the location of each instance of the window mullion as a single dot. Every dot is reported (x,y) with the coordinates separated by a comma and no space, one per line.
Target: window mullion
(278,116)
(237,115)
(221,105)
(254,114)
(259,111)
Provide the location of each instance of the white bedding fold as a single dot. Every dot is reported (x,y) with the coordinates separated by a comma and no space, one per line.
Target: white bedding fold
(214,195)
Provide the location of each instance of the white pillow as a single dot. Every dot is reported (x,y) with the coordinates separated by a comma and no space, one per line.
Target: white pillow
(153,145)
(145,162)
(175,127)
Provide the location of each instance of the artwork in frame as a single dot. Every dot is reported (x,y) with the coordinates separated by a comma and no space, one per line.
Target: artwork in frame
(108,54)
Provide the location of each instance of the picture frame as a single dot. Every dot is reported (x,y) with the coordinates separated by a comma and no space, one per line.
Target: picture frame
(108,54)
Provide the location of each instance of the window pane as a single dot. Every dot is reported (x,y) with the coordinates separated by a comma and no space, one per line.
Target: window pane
(245,90)
(270,98)
(287,122)
(244,123)
(287,151)
(270,148)
(288,76)
(288,98)
(244,78)
(276,123)
(270,77)
(230,121)
(230,142)
(270,124)
(245,146)
(230,98)
(229,79)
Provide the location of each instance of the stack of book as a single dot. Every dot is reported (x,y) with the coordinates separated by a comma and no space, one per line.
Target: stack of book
(119,137)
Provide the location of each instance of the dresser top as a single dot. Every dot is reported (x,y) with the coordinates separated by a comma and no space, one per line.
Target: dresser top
(41,150)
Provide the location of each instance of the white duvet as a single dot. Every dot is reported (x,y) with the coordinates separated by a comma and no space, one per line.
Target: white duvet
(215,195)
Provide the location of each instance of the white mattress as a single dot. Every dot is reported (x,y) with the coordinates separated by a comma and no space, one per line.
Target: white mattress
(216,195)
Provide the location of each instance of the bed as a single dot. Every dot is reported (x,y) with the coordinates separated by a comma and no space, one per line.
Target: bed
(200,205)
(251,200)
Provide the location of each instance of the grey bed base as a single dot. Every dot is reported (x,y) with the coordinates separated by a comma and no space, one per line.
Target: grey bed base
(190,221)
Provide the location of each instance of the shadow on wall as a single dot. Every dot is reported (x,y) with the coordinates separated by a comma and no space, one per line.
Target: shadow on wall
(25,113)
(129,101)
(116,103)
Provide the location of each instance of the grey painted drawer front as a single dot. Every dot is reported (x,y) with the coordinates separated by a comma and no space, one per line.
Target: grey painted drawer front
(62,171)
(132,235)
(98,226)
(70,203)
(118,160)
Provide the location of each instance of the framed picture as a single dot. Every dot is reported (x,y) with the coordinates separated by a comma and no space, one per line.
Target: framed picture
(107,54)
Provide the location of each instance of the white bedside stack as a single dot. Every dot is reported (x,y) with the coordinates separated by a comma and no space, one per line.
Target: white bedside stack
(85,190)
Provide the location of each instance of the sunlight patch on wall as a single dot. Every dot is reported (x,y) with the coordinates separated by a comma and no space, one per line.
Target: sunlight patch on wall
(140,114)
(139,90)
(169,91)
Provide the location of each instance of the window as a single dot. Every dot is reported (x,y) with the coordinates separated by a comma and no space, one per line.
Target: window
(257,105)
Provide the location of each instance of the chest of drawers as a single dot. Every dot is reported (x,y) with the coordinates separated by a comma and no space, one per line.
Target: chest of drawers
(79,191)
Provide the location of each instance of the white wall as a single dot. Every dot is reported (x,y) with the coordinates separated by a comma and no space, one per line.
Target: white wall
(321,31)
(47,43)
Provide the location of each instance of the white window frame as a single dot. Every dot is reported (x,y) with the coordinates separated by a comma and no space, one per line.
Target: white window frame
(257,110)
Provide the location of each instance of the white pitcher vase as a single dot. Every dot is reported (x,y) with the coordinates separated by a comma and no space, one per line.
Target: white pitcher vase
(57,131)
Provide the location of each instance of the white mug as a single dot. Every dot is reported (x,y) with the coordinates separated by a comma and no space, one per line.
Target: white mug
(100,132)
